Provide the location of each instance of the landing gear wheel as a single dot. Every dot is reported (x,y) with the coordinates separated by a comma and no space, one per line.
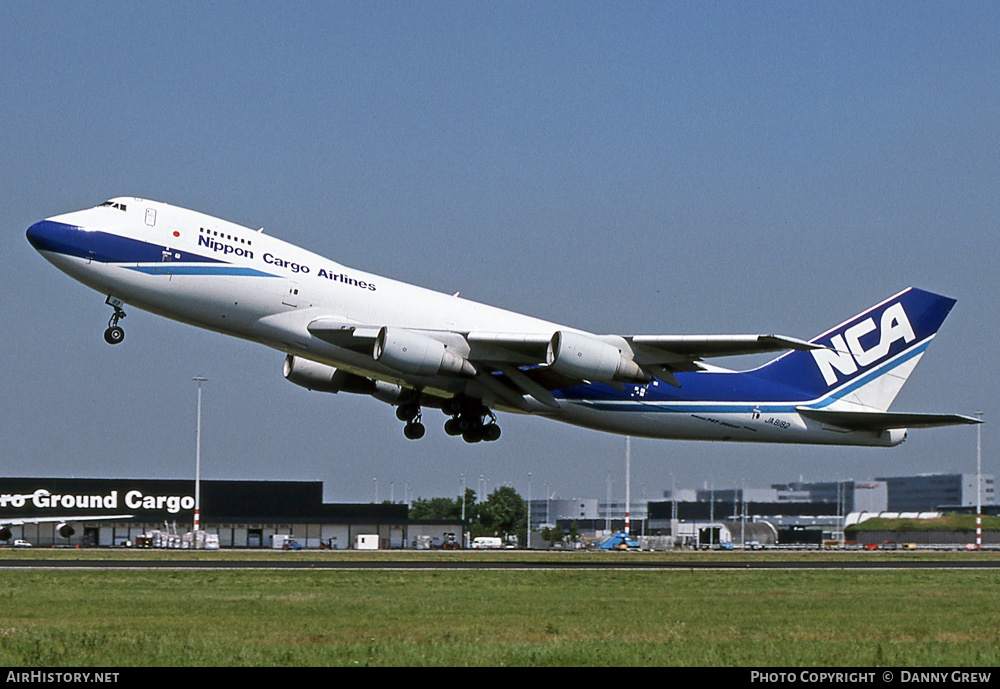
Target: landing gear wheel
(114,335)
(473,435)
(414,430)
(407,412)
(451,427)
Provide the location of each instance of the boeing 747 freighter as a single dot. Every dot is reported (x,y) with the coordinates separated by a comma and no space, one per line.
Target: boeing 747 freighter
(348,331)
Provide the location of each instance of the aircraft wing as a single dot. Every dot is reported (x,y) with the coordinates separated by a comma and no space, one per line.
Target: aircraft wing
(531,348)
(658,348)
(511,365)
(657,355)
(885,420)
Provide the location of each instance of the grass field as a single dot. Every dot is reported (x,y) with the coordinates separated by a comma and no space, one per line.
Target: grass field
(487,618)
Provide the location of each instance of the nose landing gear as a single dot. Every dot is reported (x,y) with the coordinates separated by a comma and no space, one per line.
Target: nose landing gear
(115,334)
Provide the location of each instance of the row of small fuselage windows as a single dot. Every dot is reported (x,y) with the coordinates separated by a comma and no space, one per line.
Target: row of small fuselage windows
(211,233)
(222,235)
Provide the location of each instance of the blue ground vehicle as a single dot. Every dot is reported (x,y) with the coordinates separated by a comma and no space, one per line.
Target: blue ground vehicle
(619,541)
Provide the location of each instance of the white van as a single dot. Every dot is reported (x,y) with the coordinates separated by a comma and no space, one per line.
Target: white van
(366,541)
(486,542)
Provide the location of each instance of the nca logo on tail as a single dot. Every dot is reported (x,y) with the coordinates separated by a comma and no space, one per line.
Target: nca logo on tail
(846,352)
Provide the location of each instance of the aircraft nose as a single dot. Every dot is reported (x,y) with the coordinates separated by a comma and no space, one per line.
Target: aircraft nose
(37,234)
(48,235)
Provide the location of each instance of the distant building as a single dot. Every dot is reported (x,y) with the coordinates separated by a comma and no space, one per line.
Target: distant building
(244,514)
(615,511)
(925,492)
(852,496)
(549,512)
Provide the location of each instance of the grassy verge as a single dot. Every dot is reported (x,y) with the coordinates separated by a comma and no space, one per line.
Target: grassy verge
(598,618)
(946,522)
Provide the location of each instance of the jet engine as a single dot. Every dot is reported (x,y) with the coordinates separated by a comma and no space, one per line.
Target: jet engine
(5,533)
(322,378)
(411,352)
(585,357)
(65,530)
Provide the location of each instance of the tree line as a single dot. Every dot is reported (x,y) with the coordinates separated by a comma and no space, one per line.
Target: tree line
(504,513)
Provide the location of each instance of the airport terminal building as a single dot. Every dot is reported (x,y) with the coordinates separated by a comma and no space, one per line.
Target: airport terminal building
(244,514)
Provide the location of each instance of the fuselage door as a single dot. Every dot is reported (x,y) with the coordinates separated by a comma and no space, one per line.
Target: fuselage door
(291,295)
(151,216)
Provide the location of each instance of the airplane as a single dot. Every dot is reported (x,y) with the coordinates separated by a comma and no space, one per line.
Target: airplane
(347,331)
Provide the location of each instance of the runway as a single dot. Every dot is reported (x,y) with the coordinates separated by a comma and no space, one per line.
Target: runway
(505,565)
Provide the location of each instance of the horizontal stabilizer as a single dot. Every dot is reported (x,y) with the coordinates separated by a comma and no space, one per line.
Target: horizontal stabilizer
(884,420)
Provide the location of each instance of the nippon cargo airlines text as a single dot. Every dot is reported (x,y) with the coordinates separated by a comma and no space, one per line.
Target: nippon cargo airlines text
(269,258)
(420,350)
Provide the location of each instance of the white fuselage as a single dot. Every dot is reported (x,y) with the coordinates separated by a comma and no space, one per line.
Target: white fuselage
(214,274)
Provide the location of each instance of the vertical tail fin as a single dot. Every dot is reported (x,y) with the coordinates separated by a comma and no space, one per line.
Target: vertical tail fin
(865,360)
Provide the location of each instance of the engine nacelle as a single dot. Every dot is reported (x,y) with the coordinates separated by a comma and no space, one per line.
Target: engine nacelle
(65,530)
(387,392)
(582,356)
(411,352)
(5,533)
(322,378)
(894,436)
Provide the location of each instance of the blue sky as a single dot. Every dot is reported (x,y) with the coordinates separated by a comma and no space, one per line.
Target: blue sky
(620,167)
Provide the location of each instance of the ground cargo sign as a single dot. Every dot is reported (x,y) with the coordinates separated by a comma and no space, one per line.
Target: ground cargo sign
(134,500)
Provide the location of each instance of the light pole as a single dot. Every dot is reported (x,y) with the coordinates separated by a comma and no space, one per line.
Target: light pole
(197,461)
(711,515)
(607,506)
(628,481)
(548,496)
(527,535)
(979,481)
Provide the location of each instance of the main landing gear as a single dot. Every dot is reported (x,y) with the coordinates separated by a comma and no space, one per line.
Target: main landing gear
(470,418)
(473,426)
(410,413)
(115,334)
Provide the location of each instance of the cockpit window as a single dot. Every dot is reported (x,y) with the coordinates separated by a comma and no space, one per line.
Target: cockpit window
(114,204)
